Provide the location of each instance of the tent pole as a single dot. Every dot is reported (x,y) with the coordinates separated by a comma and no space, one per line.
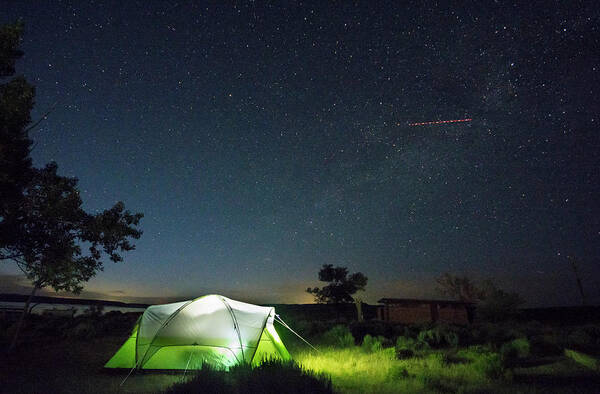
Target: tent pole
(236,326)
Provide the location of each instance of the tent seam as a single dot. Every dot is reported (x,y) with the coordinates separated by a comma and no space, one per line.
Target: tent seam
(137,335)
(173,315)
(235,325)
(261,333)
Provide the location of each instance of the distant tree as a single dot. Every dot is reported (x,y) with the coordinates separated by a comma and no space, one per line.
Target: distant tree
(53,228)
(459,287)
(16,102)
(491,302)
(497,304)
(341,286)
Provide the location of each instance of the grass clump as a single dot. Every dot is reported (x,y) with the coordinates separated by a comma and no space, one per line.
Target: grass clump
(283,377)
(438,337)
(511,352)
(372,344)
(338,336)
(405,347)
(271,376)
(205,380)
(489,365)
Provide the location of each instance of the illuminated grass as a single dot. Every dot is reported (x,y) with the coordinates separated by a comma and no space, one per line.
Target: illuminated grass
(353,370)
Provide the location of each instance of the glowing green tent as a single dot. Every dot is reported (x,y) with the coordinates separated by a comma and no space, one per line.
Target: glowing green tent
(210,329)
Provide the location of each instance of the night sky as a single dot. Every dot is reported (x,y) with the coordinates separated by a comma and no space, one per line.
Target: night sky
(262,140)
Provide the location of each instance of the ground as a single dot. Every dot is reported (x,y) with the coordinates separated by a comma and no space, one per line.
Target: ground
(75,366)
(66,355)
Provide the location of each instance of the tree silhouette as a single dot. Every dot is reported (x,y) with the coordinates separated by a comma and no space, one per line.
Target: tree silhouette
(53,226)
(341,287)
(459,287)
(16,102)
(492,303)
(497,304)
(42,224)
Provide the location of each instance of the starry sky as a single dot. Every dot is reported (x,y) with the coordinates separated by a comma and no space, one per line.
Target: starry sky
(264,139)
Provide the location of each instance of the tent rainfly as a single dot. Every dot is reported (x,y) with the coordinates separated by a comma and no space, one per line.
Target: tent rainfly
(212,329)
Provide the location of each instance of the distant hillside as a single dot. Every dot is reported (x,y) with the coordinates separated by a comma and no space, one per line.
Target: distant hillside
(552,315)
(72,301)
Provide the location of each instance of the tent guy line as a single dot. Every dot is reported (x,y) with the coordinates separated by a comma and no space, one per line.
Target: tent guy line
(279,320)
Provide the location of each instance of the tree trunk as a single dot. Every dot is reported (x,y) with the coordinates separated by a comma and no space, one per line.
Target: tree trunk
(358,303)
(22,318)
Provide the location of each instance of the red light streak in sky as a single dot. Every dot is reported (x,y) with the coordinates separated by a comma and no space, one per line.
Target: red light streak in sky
(440,122)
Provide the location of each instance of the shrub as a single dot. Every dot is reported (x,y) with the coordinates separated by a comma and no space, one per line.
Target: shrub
(338,336)
(410,343)
(514,350)
(522,346)
(405,347)
(498,305)
(431,337)
(371,344)
(405,342)
(453,358)
(450,338)
(494,334)
(438,336)
(457,335)
(413,330)
(490,365)
(373,327)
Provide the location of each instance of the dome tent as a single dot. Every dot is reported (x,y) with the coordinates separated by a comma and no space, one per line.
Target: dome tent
(212,329)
